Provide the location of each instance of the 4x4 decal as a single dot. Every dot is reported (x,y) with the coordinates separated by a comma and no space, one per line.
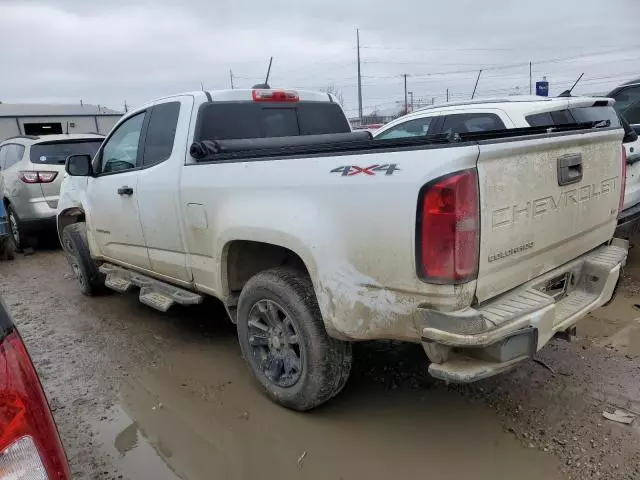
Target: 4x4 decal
(350,170)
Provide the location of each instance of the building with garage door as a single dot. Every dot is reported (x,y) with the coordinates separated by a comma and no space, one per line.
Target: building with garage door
(50,119)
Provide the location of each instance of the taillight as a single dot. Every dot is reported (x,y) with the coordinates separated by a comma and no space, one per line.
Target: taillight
(265,95)
(448,229)
(32,176)
(623,181)
(29,442)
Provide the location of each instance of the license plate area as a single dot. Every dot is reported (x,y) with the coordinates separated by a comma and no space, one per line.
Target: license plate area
(556,287)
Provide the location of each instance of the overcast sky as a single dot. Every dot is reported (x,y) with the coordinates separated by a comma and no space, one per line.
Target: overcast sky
(112,51)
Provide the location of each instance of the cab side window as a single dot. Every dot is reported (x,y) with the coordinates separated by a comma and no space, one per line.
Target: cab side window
(411,128)
(472,122)
(121,151)
(161,133)
(628,104)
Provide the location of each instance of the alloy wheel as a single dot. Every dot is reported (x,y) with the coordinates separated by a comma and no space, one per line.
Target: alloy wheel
(275,344)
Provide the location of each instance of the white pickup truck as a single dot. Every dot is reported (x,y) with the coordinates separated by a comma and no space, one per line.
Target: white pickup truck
(479,246)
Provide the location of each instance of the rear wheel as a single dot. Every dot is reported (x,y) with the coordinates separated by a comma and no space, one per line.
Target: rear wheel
(7,248)
(285,344)
(15,228)
(85,268)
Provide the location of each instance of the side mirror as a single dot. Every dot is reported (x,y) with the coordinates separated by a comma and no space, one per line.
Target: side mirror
(78,165)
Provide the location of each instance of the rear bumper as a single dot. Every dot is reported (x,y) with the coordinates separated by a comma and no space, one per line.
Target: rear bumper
(628,222)
(476,343)
(31,227)
(33,208)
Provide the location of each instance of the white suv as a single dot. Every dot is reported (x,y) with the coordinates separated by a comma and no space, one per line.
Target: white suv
(521,112)
(627,97)
(31,171)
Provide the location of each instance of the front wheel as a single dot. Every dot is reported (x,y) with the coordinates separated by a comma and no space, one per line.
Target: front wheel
(285,344)
(85,269)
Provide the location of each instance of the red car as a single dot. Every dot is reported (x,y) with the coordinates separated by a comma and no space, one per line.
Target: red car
(30,446)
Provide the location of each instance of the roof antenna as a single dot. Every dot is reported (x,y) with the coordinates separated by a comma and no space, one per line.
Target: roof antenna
(266,80)
(567,93)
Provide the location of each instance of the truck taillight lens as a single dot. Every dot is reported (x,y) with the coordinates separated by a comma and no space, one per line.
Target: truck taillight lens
(29,444)
(448,228)
(623,180)
(32,176)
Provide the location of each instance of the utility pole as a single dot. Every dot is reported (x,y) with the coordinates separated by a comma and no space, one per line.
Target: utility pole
(474,88)
(530,84)
(126,107)
(411,95)
(359,77)
(406,105)
(231,78)
(447,95)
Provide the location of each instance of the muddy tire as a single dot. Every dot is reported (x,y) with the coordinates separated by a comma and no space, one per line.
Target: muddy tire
(15,229)
(7,248)
(85,268)
(285,344)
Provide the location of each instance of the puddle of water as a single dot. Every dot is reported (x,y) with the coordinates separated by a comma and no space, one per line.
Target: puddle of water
(127,439)
(625,340)
(616,324)
(132,454)
(203,416)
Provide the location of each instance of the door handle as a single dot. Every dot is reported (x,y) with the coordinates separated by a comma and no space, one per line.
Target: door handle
(569,169)
(125,190)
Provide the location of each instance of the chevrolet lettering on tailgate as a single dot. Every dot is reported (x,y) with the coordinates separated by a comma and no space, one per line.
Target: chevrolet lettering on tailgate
(505,216)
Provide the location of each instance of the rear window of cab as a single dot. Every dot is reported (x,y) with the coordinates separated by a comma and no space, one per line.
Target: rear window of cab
(244,120)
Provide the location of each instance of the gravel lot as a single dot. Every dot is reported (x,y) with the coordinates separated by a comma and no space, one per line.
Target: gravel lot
(142,395)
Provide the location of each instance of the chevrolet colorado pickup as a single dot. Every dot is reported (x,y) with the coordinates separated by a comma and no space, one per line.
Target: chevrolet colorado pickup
(479,246)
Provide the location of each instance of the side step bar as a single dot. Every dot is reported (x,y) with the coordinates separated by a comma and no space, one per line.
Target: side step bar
(155,293)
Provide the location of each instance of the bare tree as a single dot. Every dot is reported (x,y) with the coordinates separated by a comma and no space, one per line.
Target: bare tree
(333,90)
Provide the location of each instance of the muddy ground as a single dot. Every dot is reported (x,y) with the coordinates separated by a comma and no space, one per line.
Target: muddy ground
(142,395)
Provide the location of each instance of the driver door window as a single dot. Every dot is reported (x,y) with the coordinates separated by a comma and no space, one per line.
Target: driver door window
(121,151)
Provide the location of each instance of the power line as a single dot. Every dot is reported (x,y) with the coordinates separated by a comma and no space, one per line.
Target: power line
(488,49)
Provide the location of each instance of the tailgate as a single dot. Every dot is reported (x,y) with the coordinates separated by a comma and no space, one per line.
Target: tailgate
(51,190)
(544,201)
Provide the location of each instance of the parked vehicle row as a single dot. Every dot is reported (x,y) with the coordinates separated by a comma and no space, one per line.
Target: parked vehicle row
(31,171)
(479,245)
